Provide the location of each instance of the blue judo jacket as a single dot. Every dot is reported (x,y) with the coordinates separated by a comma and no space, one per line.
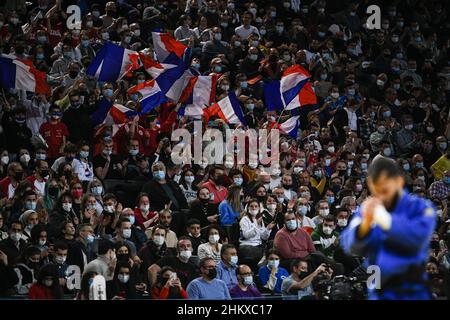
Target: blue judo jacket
(394,251)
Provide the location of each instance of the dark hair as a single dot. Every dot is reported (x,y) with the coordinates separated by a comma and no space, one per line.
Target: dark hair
(381,166)
(36,233)
(225,247)
(28,252)
(104,245)
(296,262)
(192,221)
(330,218)
(122,220)
(51,270)
(85,285)
(61,245)
(272,251)
(204,260)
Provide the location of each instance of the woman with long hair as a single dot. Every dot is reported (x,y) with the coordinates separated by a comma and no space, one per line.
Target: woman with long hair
(230,211)
(85,286)
(202,210)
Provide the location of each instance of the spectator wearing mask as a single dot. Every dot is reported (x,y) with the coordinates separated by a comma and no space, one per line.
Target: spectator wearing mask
(292,242)
(208,286)
(226,268)
(325,238)
(55,133)
(26,269)
(230,211)
(299,284)
(106,260)
(253,233)
(47,285)
(271,275)
(123,286)
(212,248)
(217,191)
(181,263)
(9,184)
(245,287)
(145,218)
(194,233)
(164,191)
(14,245)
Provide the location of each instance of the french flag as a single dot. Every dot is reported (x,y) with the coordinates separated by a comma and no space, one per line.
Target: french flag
(108,113)
(153,67)
(200,92)
(289,127)
(152,95)
(20,74)
(112,62)
(164,44)
(293,90)
(227,109)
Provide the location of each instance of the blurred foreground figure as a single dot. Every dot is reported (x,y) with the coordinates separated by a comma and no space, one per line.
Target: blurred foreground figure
(392,229)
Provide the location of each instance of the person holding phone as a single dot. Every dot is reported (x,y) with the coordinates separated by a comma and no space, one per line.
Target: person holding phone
(253,233)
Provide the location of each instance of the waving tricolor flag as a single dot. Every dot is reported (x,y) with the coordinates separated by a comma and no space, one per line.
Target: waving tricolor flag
(168,85)
(164,44)
(200,92)
(289,127)
(21,74)
(227,109)
(108,113)
(112,62)
(153,67)
(152,95)
(293,90)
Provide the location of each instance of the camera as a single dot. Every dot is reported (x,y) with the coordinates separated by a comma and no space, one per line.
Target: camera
(339,288)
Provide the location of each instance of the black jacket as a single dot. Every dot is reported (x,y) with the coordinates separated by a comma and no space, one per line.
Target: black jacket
(159,198)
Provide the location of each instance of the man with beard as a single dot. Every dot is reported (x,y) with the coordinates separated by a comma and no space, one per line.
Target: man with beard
(392,229)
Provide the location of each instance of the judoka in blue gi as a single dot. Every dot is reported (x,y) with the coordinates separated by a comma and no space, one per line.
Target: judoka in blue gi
(392,230)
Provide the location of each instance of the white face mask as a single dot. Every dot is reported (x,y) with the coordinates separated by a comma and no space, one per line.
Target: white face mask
(109,209)
(253,165)
(273,264)
(214,238)
(145,207)
(342,222)
(5,160)
(298,170)
(126,233)
(324,212)
(271,207)
(189,179)
(158,240)
(67,206)
(123,278)
(185,254)
(327,230)
(253,213)
(60,259)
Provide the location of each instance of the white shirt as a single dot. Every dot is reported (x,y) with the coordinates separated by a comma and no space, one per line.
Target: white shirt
(352,119)
(83,170)
(206,250)
(39,186)
(244,33)
(252,232)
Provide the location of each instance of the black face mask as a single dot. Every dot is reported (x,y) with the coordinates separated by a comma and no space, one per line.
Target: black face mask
(53,191)
(212,273)
(261,198)
(18,175)
(45,173)
(287,186)
(219,180)
(303,274)
(204,201)
(73,74)
(33,265)
(434,244)
(123,257)
(68,174)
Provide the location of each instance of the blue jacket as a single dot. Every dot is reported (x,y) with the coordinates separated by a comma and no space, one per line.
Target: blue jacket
(227,215)
(264,275)
(406,244)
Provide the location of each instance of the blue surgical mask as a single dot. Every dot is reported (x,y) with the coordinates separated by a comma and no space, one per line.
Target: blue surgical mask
(387,114)
(84,154)
(134,152)
(248,280)
(40,56)
(244,84)
(238,181)
(159,175)
(30,205)
(85,43)
(132,219)
(419,165)
(97,191)
(330,199)
(217,69)
(250,106)
(303,210)
(291,225)
(108,92)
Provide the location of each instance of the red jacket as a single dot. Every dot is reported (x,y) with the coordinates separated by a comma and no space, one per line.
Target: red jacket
(40,292)
(4,186)
(140,219)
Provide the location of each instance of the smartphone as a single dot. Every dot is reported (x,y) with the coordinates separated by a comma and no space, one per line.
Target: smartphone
(173,276)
